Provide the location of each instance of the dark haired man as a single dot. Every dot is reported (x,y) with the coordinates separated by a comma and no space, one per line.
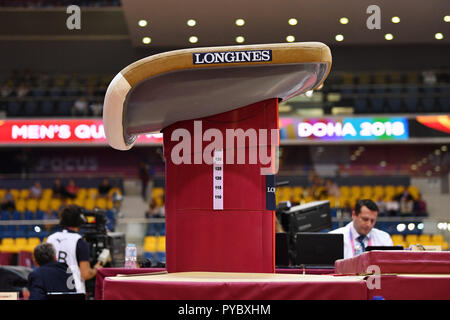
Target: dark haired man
(360,233)
(71,249)
(51,276)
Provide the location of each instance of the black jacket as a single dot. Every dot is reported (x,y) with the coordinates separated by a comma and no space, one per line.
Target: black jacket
(51,277)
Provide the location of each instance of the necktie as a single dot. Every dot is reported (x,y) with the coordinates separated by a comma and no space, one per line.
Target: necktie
(361,241)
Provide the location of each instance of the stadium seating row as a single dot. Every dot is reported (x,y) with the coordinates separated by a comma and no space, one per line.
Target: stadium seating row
(423,239)
(348,195)
(11,245)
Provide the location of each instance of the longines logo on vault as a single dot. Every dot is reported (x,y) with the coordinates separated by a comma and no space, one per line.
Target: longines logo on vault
(232,56)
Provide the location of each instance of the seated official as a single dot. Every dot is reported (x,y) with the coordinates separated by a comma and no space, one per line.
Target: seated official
(360,233)
(51,276)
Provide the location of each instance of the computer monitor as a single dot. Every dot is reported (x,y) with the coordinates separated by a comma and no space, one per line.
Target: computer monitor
(310,217)
(319,249)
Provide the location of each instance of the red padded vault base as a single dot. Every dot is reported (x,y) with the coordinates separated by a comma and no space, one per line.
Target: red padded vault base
(239,237)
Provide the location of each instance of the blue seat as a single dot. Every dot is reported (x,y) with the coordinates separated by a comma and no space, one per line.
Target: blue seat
(364,89)
(149,255)
(360,105)
(64,108)
(347,89)
(411,103)
(444,104)
(394,104)
(10,232)
(396,88)
(428,104)
(379,89)
(55,92)
(17,215)
(412,88)
(40,215)
(161,256)
(22,231)
(47,107)
(377,104)
(29,215)
(31,108)
(38,92)
(5,215)
(72,92)
(13,108)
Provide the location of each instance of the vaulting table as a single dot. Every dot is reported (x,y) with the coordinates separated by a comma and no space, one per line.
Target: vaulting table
(234,286)
(217,108)
(404,275)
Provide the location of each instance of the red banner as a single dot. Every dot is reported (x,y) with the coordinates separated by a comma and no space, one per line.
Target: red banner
(60,131)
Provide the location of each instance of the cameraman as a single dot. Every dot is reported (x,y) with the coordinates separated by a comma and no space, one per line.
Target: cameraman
(71,249)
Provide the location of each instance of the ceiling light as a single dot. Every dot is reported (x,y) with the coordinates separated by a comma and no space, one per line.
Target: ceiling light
(439,36)
(401,227)
(142,23)
(420,226)
(444,148)
(343,20)
(413,167)
(383,163)
(395,20)
(240,39)
(146,40)
(411,226)
(290,38)
(292,21)
(339,37)
(353,158)
(437,168)
(388,36)
(191,22)
(437,152)
(447,18)
(240,22)
(193,39)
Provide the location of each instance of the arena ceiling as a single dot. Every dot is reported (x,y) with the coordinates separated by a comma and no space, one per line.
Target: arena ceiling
(267,21)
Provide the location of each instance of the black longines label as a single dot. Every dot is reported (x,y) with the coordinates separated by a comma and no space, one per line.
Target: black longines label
(232,57)
(270,192)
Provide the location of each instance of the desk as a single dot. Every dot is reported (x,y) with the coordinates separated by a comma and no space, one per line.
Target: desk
(111,272)
(234,286)
(397,262)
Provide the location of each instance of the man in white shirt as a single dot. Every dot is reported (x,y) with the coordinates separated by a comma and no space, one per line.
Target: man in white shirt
(360,233)
(71,249)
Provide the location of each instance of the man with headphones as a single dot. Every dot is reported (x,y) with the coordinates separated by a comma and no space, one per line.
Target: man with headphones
(71,249)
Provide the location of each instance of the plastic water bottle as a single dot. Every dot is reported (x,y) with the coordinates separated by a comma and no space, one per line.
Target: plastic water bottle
(130,256)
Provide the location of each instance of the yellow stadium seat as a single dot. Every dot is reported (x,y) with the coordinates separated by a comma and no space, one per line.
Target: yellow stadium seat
(101,203)
(24,194)
(20,244)
(150,243)
(378,191)
(389,191)
(8,245)
(32,205)
(82,193)
(399,189)
(355,192)
(89,204)
(412,239)
(437,238)
(444,245)
(15,193)
(32,243)
(92,193)
(2,193)
(367,192)
(161,244)
(79,202)
(55,204)
(424,238)
(21,205)
(397,238)
(414,191)
(47,194)
(44,204)
(111,192)
(157,192)
(110,205)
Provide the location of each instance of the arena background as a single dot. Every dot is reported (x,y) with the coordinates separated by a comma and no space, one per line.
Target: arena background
(53,76)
